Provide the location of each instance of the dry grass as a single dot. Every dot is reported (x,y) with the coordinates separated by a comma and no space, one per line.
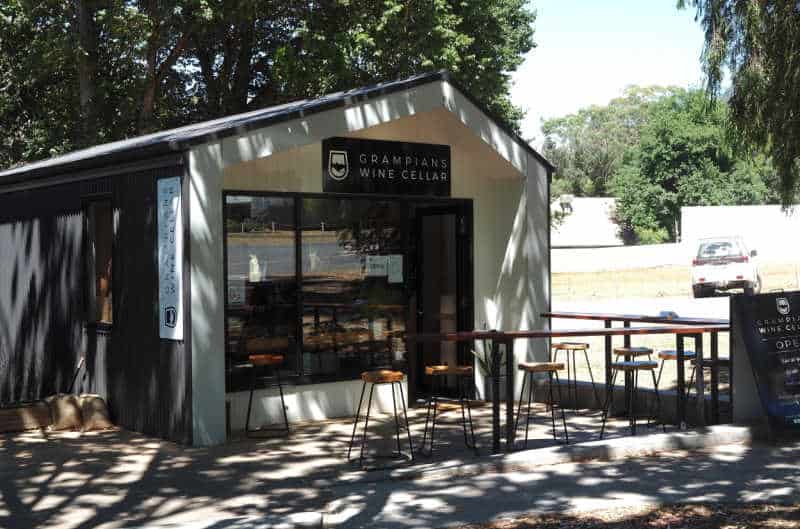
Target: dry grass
(663,281)
(697,516)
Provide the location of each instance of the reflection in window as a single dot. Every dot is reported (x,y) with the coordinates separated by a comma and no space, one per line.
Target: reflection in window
(101,229)
(261,281)
(351,320)
(349,313)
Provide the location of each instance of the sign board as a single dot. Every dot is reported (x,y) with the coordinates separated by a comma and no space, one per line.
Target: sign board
(170,259)
(394,269)
(769,330)
(377,265)
(351,165)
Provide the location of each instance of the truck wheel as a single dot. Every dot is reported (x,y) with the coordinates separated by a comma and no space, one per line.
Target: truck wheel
(753,288)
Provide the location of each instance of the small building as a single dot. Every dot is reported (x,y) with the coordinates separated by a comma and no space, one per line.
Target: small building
(322,229)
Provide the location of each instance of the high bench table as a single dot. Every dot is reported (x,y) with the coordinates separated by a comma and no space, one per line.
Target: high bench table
(505,339)
(699,323)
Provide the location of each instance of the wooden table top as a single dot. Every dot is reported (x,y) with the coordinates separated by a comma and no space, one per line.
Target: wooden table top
(638,318)
(565,333)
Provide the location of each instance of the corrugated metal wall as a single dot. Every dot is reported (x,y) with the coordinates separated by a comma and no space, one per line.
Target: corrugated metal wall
(149,383)
(41,294)
(43,328)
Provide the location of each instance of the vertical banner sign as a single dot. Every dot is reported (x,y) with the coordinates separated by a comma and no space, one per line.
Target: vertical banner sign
(170,259)
(770,328)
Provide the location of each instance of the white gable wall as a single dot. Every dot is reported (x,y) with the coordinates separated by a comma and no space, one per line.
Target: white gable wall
(507,184)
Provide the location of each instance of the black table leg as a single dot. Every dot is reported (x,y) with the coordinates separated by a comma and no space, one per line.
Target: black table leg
(628,374)
(714,378)
(700,382)
(608,358)
(681,400)
(509,350)
(495,396)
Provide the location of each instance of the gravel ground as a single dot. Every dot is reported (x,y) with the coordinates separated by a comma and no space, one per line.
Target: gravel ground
(696,516)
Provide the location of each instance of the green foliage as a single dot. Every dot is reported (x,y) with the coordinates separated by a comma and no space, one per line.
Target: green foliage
(587,147)
(758,45)
(683,158)
(79,73)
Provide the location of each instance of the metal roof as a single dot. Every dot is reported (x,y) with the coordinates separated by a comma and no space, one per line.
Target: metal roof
(179,139)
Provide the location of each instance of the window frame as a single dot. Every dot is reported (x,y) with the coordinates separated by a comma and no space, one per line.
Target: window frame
(296,374)
(88,204)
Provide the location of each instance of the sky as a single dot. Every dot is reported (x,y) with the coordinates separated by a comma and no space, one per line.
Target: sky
(588,51)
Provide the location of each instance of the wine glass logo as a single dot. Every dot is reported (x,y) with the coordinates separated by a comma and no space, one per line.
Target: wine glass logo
(783,306)
(338,165)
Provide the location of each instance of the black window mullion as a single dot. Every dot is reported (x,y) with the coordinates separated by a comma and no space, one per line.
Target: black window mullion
(298,269)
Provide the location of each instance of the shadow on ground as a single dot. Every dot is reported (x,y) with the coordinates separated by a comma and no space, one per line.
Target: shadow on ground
(123,479)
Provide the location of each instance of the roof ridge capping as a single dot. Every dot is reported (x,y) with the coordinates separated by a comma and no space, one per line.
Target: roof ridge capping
(172,141)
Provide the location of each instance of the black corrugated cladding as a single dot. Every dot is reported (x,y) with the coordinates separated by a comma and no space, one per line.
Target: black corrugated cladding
(41,291)
(44,327)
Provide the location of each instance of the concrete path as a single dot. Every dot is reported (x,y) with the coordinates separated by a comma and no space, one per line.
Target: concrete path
(122,480)
(728,474)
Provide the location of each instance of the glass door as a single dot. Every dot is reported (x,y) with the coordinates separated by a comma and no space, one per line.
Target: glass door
(442,298)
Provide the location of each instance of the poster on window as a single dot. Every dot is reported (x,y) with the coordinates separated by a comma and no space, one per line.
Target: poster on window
(170,259)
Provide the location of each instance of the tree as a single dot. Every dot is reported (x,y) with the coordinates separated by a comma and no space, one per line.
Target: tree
(587,147)
(758,43)
(79,73)
(683,157)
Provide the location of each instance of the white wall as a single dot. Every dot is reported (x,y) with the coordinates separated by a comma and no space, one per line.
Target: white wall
(206,280)
(311,402)
(618,258)
(507,185)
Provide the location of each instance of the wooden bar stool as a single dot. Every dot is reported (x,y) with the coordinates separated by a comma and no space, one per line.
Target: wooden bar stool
(632,368)
(375,378)
(261,362)
(708,363)
(671,355)
(464,376)
(629,353)
(573,348)
(633,352)
(551,369)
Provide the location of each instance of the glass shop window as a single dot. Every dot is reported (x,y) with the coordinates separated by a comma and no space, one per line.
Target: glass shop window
(318,280)
(101,230)
(354,312)
(261,283)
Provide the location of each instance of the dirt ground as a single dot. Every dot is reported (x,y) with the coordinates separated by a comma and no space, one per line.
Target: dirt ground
(699,516)
(663,281)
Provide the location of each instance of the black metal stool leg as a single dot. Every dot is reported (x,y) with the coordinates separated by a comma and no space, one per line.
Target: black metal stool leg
(657,415)
(691,381)
(531,388)
(471,425)
(283,402)
(250,400)
(433,423)
(519,406)
(561,408)
(609,398)
(461,382)
(396,420)
(355,423)
(405,416)
(591,377)
(574,381)
(552,403)
(634,398)
(366,423)
(427,419)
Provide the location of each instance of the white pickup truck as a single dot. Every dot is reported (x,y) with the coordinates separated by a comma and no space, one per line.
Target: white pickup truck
(723,263)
